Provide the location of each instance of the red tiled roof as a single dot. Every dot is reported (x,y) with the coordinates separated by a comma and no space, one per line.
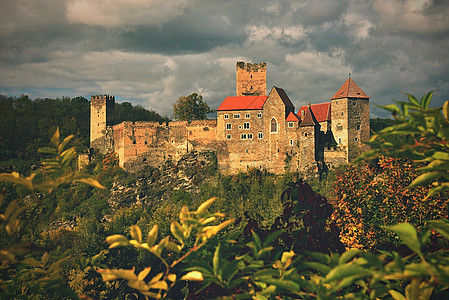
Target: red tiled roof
(350,89)
(242,103)
(322,111)
(292,117)
(309,118)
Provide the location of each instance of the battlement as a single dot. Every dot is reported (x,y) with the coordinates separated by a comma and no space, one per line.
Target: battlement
(251,79)
(102,97)
(252,67)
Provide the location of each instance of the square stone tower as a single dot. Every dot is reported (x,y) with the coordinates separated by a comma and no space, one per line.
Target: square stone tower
(251,79)
(101,116)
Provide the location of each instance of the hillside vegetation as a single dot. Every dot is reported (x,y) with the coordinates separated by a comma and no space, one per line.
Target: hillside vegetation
(161,233)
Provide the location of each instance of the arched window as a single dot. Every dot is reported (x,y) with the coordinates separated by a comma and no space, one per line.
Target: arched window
(274,125)
(357,126)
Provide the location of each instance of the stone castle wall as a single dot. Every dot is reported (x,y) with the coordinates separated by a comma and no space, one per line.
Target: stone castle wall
(150,143)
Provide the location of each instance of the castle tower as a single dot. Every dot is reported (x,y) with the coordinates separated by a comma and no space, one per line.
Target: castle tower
(101,116)
(251,79)
(350,118)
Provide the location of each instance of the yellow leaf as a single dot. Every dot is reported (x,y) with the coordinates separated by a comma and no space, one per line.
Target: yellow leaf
(193,276)
(136,233)
(144,273)
(205,205)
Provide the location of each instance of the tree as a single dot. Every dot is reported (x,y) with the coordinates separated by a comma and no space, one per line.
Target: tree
(191,108)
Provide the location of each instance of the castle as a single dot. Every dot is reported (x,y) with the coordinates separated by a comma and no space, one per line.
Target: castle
(252,130)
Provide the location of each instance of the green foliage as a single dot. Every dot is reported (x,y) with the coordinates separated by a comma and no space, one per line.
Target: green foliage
(24,127)
(127,112)
(24,275)
(191,223)
(191,108)
(420,133)
(264,272)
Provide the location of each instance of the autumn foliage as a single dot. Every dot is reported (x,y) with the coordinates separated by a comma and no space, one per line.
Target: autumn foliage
(367,197)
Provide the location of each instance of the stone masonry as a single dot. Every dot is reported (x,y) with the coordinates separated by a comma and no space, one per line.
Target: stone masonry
(252,130)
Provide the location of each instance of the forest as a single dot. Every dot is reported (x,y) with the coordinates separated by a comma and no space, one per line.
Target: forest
(374,229)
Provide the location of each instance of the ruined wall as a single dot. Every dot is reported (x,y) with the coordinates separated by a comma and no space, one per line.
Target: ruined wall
(149,143)
(334,157)
(251,79)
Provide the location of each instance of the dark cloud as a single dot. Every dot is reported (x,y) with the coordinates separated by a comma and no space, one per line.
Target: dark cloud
(152,52)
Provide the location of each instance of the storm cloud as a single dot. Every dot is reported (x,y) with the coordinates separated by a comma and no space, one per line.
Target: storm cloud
(153,52)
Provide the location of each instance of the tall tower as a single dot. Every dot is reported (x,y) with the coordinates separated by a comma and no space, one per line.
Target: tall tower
(350,118)
(101,116)
(251,79)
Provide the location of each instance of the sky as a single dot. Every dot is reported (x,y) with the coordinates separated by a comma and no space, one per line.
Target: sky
(151,52)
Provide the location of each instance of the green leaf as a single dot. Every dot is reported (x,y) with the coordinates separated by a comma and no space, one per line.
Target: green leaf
(230,270)
(343,271)
(407,233)
(216,260)
(396,295)
(424,178)
(425,100)
(412,99)
(177,231)
(324,269)
(348,255)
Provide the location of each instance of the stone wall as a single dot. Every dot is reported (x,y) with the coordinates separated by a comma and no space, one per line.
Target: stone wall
(251,79)
(149,143)
(101,114)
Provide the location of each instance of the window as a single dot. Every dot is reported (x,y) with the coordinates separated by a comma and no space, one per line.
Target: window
(260,135)
(243,136)
(228,136)
(274,125)
(356,139)
(228,126)
(246,125)
(259,115)
(302,113)
(226,116)
(305,133)
(342,113)
(236,116)
(357,126)
(339,140)
(247,116)
(290,124)
(250,136)
(291,142)
(240,126)
(339,127)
